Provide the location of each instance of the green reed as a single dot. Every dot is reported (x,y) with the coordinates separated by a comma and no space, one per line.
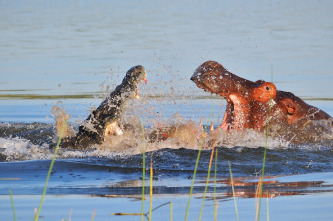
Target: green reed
(50,168)
(12,202)
(195,171)
(215,171)
(208,176)
(149,213)
(151,186)
(266,144)
(193,179)
(264,161)
(143,171)
(93,215)
(171,205)
(233,190)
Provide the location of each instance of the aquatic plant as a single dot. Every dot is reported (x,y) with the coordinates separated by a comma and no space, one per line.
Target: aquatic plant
(12,204)
(151,186)
(143,171)
(193,179)
(93,215)
(233,190)
(260,184)
(208,176)
(195,171)
(50,169)
(215,172)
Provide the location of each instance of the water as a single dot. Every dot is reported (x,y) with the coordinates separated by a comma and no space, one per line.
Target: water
(74,52)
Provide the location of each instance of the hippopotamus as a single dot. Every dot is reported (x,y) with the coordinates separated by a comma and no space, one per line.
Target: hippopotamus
(257,104)
(103,121)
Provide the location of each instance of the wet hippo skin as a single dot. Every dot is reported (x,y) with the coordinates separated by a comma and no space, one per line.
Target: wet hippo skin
(251,105)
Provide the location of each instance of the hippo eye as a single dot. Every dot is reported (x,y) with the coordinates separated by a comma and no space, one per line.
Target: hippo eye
(267,88)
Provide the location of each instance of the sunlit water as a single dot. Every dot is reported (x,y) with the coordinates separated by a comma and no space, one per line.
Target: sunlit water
(75,52)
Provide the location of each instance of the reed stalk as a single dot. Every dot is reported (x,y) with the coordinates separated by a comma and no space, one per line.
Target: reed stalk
(12,203)
(257,195)
(171,205)
(266,144)
(151,186)
(143,171)
(265,152)
(263,165)
(93,215)
(50,168)
(195,170)
(215,172)
(208,176)
(233,190)
(193,179)
(70,215)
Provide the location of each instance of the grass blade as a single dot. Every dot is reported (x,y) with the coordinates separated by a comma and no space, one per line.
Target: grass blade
(266,143)
(215,202)
(143,171)
(233,191)
(70,215)
(93,215)
(257,196)
(12,202)
(171,211)
(193,179)
(195,171)
(50,168)
(263,167)
(208,176)
(151,186)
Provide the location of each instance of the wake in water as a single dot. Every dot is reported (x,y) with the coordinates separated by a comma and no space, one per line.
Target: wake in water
(21,141)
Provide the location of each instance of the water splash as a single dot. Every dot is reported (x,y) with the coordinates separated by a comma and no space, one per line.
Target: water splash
(22,149)
(60,115)
(31,141)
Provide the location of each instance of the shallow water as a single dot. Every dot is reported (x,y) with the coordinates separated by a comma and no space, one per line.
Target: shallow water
(75,52)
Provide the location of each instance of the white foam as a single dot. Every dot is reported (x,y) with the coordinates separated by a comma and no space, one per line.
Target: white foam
(22,149)
(188,134)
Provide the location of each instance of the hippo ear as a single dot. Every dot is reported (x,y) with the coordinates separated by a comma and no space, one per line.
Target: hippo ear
(289,105)
(259,82)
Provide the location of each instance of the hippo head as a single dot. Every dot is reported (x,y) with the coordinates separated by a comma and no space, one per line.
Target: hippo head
(251,104)
(243,97)
(296,110)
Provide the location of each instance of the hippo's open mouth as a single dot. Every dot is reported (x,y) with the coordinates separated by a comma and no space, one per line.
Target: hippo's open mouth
(257,105)
(243,97)
(224,92)
(234,113)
